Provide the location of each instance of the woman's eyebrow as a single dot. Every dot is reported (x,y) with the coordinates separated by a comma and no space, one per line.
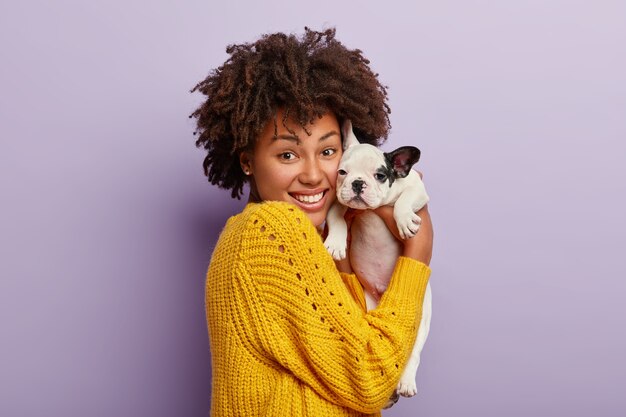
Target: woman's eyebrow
(294,138)
(329,134)
(288,137)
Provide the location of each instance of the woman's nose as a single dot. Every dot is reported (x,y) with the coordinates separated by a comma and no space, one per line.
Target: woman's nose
(311,172)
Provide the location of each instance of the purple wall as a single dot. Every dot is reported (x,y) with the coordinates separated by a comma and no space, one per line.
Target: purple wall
(107,222)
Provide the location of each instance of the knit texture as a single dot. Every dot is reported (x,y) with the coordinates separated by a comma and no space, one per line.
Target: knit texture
(289,334)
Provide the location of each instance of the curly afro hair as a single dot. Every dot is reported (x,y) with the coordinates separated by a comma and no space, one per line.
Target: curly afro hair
(306,76)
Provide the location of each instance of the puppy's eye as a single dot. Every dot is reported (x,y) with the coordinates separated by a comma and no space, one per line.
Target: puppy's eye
(341,172)
(380,177)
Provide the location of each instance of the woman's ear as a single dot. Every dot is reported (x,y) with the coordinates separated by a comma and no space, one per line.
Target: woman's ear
(245,160)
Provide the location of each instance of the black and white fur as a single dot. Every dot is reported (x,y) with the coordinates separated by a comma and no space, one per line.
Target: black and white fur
(369,178)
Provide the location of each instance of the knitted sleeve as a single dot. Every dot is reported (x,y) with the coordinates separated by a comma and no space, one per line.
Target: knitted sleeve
(307,321)
(355,288)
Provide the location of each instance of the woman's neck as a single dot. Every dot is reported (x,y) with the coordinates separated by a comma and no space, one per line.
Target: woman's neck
(253,197)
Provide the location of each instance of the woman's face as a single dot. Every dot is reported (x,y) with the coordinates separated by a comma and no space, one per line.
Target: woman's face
(299,169)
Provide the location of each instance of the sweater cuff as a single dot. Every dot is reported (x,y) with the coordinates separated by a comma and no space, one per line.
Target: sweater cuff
(409,278)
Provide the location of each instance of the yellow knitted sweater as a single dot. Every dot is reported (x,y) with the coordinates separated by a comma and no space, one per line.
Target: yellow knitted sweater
(289,334)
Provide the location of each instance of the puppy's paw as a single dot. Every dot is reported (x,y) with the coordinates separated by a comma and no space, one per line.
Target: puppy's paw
(338,254)
(337,249)
(408,225)
(406,388)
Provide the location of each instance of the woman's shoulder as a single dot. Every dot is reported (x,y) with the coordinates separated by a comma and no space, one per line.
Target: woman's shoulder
(271,225)
(278,215)
(249,231)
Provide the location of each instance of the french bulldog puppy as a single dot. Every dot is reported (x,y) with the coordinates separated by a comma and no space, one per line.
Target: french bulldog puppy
(369,178)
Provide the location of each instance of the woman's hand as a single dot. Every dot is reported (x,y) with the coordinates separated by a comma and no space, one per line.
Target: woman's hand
(420,246)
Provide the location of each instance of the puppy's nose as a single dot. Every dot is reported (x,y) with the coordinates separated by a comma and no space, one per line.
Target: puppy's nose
(357,186)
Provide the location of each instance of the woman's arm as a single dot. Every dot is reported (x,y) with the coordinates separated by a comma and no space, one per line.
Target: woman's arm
(420,246)
(308,322)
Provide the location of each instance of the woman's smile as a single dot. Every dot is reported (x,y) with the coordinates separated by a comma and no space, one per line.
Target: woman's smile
(309,200)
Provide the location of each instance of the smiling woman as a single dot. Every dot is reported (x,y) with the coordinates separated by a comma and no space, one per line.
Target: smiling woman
(289,333)
(296,164)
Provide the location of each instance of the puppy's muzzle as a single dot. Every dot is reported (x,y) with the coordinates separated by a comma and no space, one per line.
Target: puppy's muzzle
(357,186)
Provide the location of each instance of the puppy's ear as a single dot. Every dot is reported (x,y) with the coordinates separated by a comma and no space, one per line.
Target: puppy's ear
(402,159)
(349,139)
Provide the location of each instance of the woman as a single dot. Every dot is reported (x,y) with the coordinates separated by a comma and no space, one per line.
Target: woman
(289,333)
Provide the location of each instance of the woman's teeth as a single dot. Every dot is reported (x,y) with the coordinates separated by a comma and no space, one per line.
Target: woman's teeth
(309,199)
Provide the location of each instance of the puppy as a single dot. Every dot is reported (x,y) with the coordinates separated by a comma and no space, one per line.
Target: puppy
(369,178)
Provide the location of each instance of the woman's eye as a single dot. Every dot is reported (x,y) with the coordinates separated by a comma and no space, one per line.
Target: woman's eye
(328,152)
(341,172)
(287,156)
(380,177)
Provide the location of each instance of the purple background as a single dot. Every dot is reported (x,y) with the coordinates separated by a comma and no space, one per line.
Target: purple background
(107,222)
